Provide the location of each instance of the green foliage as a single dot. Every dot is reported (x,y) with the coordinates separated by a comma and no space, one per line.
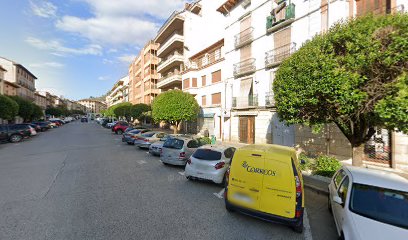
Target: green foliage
(175,106)
(79,112)
(123,110)
(138,111)
(326,166)
(355,76)
(57,112)
(9,108)
(308,162)
(25,109)
(204,140)
(37,112)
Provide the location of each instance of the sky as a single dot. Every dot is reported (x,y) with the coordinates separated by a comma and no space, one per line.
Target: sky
(79,48)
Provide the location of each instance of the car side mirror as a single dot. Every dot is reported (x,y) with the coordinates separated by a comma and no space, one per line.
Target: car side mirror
(302,161)
(338,200)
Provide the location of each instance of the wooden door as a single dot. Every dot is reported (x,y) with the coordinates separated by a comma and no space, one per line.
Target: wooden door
(251,130)
(247,129)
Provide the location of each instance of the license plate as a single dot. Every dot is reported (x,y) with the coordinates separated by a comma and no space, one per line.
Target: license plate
(243,198)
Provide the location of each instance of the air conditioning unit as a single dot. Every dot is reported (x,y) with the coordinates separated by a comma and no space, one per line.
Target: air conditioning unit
(245,3)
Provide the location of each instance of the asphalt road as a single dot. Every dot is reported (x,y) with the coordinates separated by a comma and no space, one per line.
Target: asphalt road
(81,182)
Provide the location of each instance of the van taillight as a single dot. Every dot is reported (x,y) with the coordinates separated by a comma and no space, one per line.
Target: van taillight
(182,155)
(219,165)
(298,187)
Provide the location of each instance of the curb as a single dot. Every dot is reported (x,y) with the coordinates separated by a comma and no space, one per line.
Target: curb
(318,184)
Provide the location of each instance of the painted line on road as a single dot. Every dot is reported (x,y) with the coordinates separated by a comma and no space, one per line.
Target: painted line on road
(220,194)
(306,225)
(141,162)
(181,173)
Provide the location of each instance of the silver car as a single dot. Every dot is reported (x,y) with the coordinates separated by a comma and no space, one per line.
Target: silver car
(209,162)
(177,150)
(146,139)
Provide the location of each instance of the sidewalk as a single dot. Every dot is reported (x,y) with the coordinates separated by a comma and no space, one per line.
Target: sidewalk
(316,183)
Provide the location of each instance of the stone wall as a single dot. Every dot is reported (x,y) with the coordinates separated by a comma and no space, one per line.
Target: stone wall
(401,151)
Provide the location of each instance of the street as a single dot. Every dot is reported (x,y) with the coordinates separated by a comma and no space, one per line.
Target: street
(81,182)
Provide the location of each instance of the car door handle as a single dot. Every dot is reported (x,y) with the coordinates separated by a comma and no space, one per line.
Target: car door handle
(253,190)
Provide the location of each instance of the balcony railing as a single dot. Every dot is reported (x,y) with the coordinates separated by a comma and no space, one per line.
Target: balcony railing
(245,102)
(276,56)
(205,60)
(245,67)
(269,99)
(170,78)
(244,37)
(170,58)
(281,16)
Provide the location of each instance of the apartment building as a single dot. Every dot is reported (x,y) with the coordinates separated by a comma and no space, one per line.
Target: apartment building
(203,74)
(143,75)
(40,100)
(92,105)
(18,74)
(118,93)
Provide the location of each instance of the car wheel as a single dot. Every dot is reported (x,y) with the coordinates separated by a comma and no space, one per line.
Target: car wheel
(329,207)
(15,138)
(165,163)
(119,132)
(298,228)
(228,207)
(341,236)
(129,143)
(189,178)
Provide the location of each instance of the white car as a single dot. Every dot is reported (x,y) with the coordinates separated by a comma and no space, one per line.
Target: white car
(369,204)
(110,125)
(209,162)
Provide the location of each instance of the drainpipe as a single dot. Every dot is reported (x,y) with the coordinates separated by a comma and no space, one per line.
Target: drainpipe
(230,125)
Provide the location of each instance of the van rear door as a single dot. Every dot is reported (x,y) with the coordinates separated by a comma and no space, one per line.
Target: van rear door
(279,192)
(245,183)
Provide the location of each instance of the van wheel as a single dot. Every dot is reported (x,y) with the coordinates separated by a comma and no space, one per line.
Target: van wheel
(298,228)
(329,207)
(228,207)
(15,138)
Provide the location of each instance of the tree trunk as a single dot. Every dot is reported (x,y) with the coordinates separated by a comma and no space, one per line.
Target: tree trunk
(358,155)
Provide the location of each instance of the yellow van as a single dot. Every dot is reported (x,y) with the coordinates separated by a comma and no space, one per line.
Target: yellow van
(265,181)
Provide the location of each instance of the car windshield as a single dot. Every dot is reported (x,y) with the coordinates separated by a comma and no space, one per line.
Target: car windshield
(207,154)
(148,134)
(134,131)
(380,204)
(173,143)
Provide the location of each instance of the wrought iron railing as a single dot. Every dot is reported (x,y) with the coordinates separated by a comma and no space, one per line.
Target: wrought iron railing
(244,67)
(269,99)
(245,101)
(244,37)
(280,14)
(277,55)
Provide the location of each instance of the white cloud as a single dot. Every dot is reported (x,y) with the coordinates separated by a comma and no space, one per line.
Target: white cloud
(47,65)
(126,58)
(60,50)
(120,22)
(103,78)
(43,9)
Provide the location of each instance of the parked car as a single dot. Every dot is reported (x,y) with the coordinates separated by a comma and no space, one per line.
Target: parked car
(131,136)
(15,132)
(177,150)
(209,162)
(59,123)
(146,139)
(264,181)
(120,127)
(36,127)
(156,147)
(111,124)
(31,129)
(44,126)
(84,119)
(369,204)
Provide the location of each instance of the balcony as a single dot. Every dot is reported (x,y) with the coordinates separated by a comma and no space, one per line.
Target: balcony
(269,99)
(245,67)
(243,38)
(175,41)
(274,57)
(250,101)
(281,16)
(204,60)
(171,60)
(169,80)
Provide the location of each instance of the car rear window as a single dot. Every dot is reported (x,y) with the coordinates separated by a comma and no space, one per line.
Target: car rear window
(207,154)
(135,131)
(148,134)
(173,143)
(380,204)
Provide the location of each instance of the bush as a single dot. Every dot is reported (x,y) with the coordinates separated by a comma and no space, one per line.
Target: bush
(204,140)
(308,162)
(326,166)
(9,108)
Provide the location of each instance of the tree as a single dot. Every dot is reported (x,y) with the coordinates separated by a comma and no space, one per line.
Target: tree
(25,107)
(355,75)
(9,108)
(79,112)
(175,106)
(123,110)
(138,111)
(37,112)
(53,111)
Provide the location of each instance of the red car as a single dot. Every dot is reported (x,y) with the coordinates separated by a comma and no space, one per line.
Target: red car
(120,127)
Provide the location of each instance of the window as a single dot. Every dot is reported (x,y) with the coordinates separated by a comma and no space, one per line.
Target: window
(216,76)
(203,80)
(229,152)
(207,154)
(216,98)
(194,82)
(343,189)
(339,176)
(173,143)
(160,135)
(186,83)
(204,100)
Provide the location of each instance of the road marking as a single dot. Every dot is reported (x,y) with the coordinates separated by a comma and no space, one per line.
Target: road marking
(181,173)
(160,161)
(141,162)
(306,225)
(220,194)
